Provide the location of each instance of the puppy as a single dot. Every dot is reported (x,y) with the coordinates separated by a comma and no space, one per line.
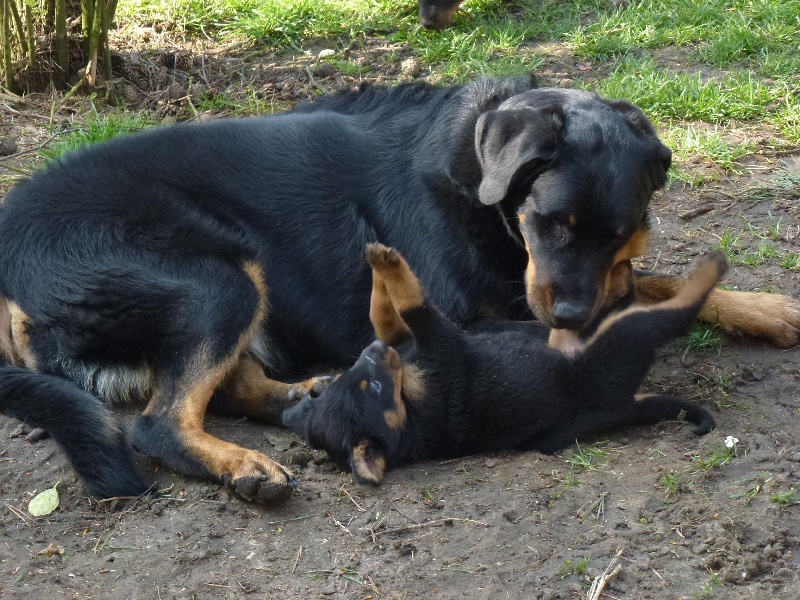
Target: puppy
(429,389)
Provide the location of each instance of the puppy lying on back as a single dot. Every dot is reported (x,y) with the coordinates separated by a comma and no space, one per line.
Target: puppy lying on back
(427,389)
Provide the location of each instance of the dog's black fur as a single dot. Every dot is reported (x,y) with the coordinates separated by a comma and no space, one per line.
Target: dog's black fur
(228,255)
(445,392)
(437,14)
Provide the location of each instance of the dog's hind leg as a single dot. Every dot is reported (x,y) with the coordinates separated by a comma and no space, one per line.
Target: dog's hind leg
(771,317)
(389,325)
(623,348)
(402,289)
(207,351)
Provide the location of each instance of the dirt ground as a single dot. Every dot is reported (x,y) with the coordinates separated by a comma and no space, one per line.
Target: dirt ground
(662,513)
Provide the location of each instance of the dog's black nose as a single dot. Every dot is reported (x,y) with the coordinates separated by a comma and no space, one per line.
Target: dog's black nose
(569,315)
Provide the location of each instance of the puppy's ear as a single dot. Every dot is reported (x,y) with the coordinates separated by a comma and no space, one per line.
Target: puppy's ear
(514,143)
(368,463)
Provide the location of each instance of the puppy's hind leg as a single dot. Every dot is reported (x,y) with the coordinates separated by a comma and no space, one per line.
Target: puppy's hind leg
(398,306)
(623,349)
(387,322)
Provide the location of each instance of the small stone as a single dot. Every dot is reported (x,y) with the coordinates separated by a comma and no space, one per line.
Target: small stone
(411,67)
(324,70)
(7,146)
(36,435)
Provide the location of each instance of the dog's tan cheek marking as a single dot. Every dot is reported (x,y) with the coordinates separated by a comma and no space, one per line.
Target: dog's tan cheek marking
(20,343)
(413,383)
(634,247)
(397,417)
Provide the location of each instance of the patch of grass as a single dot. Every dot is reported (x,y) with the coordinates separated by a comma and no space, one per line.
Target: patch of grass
(786,499)
(704,337)
(589,458)
(723,31)
(577,568)
(676,482)
(710,145)
(765,252)
(666,94)
(98,128)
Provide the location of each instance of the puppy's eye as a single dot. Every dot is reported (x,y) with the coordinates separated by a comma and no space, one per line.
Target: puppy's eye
(375,386)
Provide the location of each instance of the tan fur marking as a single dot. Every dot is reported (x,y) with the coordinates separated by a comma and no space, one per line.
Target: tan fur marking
(573,220)
(363,385)
(413,383)
(361,464)
(636,246)
(202,378)
(19,337)
(771,317)
(566,341)
(6,343)
(706,274)
(401,283)
(387,322)
(397,417)
(249,392)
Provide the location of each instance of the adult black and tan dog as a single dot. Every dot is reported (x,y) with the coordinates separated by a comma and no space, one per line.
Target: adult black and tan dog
(199,266)
(429,389)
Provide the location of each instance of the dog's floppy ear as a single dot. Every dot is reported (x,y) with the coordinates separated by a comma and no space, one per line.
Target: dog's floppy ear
(642,125)
(367,462)
(512,143)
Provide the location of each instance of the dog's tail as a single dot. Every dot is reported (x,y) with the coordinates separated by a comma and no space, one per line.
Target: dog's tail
(79,422)
(649,410)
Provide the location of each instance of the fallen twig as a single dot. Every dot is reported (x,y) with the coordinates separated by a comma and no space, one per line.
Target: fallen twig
(600,581)
(435,523)
(696,212)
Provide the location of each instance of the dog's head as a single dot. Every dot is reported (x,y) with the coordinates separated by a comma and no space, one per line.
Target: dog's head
(579,171)
(361,419)
(437,14)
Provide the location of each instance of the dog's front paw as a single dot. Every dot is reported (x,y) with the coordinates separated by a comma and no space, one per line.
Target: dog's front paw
(259,479)
(310,387)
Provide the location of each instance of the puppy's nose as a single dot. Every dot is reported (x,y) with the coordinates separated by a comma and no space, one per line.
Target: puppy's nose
(570,315)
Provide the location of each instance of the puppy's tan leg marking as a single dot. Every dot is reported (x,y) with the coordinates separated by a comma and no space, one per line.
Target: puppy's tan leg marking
(387,322)
(401,284)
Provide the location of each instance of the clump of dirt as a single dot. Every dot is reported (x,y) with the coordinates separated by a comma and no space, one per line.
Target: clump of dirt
(681,516)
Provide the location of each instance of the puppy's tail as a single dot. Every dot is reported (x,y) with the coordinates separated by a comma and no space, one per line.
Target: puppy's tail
(79,422)
(649,410)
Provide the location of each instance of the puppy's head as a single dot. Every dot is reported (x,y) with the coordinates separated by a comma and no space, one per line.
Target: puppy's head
(579,171)
(437,14)
(361,419)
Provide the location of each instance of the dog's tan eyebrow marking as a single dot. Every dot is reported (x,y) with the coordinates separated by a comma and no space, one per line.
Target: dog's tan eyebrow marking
(363,385)
(572,220)
(521,216)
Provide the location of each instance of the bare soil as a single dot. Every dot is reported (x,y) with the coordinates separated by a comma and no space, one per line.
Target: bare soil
(515,525)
